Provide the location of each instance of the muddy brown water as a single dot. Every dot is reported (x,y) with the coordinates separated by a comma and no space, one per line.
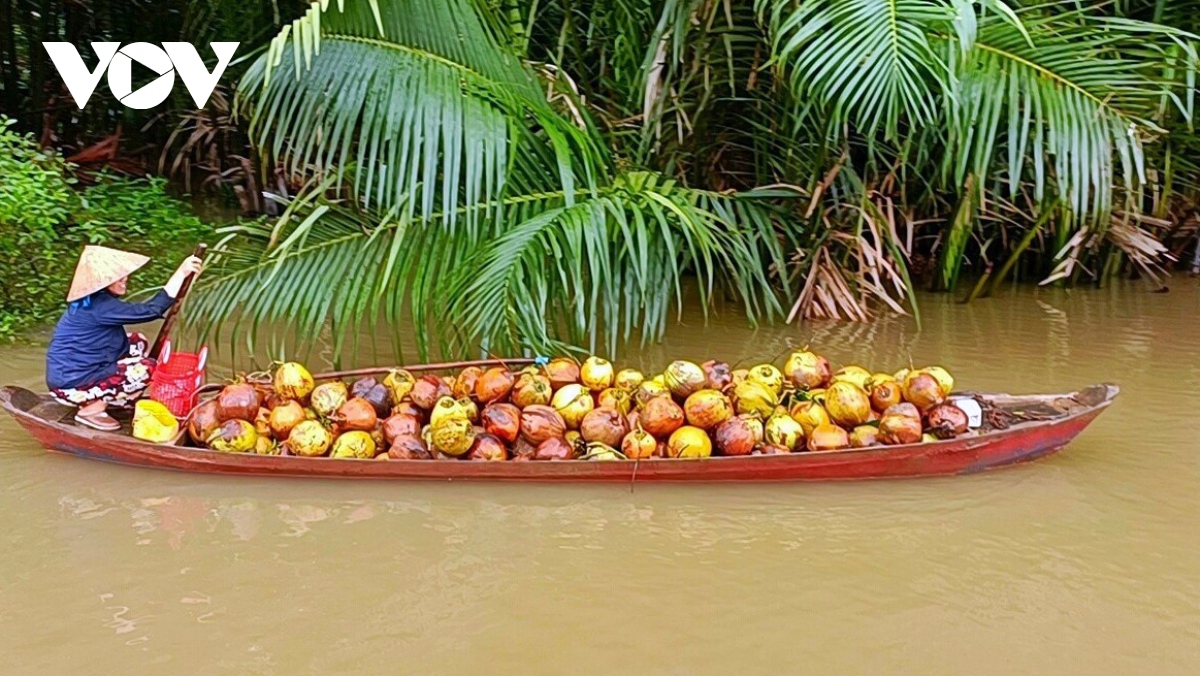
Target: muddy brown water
(1087,562)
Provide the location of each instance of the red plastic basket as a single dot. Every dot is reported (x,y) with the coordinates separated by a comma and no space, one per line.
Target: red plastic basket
(177,379)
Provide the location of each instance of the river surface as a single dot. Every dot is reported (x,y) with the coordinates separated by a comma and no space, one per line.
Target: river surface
(1087,562)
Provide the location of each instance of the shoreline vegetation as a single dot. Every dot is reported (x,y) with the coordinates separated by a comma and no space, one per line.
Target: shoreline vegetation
(534,175)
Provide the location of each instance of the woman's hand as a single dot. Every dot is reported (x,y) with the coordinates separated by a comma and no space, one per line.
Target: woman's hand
(189,266)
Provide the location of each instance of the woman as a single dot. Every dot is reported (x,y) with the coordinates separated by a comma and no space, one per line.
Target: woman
(91,362)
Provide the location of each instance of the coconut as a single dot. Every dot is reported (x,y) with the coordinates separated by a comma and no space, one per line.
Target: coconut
(262,423)
(879,378)
(828,438)
(735,437)
(400,425)
(356,414)
(904,408)
(781,430)
(310,439)
(292,382)
(400,384)
(863,436)
(689,442)
(847,404)
(267,446)
(753,397)
(464,384)
(427,390)
(562,372)
(355,444)
(153,422)
(555,448)
(238,401)
(575,439)
(628,379)
(596,374)
(810,415)
(684,378)
(922,390)
(807,370)
(945,380)
(638,444)
(494,385)
(615,398)
(897,428)
(409,408)
(572,402)
(539,423)
(233,436)
(852,374)
(603,425)
(489,448)
(946,421)
(377,437)
(374,392)
(718,375)
(452,436)
(884,394)
(600,452)
(502,421)
(408,447)
(327,398)
(707,408)
(531,389)
(647,391)
(770,449)
(470,408)
(447,407)
(202,422)
(756,426)
(661,416)
(901,375)
(767,375)
(284,417)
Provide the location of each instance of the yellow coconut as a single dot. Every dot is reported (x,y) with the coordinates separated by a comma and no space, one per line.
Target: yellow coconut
(628,379)
(596,374)
(684,378)
(853,374)
(810,415)
(806,370)
(153,422)
(847,404)
(689,442)
(752,397)
(767,375)
(355,444)
(293,381)
(572,402)
(783,430)
(310,439)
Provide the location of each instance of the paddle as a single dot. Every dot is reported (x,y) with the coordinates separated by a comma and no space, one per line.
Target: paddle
(169,320)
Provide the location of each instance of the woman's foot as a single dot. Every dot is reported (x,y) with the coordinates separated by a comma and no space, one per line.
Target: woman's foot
(96,417)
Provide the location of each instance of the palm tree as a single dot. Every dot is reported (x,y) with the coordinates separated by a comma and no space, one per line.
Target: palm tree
(529,173)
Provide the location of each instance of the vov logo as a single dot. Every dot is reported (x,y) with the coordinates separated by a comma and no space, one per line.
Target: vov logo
(171,58)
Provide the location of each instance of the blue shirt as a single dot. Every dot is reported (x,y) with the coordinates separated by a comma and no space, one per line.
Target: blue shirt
(89,340)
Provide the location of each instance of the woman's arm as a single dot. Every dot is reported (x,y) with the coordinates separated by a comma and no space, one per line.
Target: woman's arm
(112,311)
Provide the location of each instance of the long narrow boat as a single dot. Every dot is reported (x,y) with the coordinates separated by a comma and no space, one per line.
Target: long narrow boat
(1017,429)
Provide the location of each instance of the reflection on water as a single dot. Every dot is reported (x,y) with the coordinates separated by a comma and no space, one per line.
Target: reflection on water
(1084,563)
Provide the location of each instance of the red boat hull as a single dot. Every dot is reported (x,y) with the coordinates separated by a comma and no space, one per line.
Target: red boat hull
(964,455)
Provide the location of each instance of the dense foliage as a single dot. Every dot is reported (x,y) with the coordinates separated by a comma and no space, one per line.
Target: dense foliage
(515,173)
(45,221)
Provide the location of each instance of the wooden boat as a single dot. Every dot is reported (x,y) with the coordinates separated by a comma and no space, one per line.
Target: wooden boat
(1020,428)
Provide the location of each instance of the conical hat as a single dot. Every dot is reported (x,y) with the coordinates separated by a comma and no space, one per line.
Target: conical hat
(100,266)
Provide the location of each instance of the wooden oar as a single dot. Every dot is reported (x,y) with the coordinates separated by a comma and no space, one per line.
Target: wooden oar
(165,330)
